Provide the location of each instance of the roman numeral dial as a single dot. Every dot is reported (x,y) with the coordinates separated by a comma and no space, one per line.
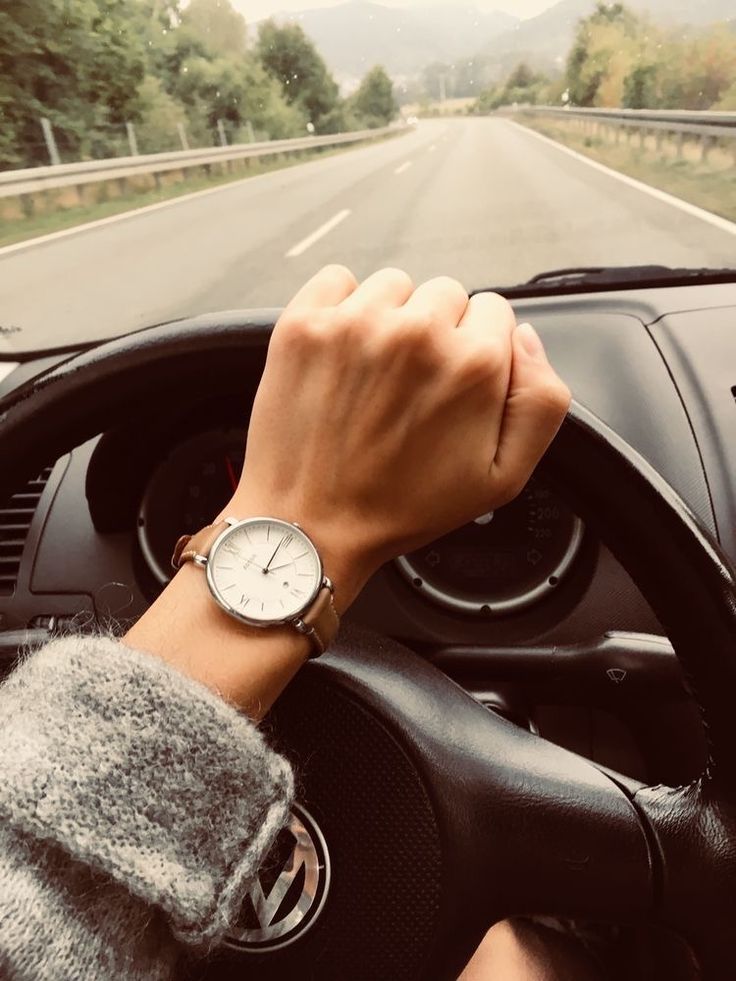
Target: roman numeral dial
(264,570)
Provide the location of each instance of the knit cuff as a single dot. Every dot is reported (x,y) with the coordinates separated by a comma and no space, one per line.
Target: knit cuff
(142,773)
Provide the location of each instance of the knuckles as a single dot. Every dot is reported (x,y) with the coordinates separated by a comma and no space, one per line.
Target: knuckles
(481,363)
(452,287)
(551,395)
(412,340)
(397,278)
(337,273)
(496,306)
(299,329)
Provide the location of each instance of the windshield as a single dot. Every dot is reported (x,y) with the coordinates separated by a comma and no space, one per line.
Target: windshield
(164,158)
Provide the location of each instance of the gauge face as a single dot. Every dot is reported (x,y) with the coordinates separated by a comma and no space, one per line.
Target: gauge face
(500,562)
(264,570)
(186,492)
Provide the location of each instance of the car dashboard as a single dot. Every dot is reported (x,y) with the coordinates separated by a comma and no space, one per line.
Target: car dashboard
(87,543)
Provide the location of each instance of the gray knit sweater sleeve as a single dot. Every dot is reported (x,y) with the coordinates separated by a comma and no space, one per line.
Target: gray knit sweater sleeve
(135,808)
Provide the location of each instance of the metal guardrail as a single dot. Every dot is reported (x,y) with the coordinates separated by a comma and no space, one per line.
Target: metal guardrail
(687,117)
(708,128)
(34,179)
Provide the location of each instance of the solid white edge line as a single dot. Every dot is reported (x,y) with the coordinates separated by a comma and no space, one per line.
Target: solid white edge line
(691,209)
(403,167)
(317,234)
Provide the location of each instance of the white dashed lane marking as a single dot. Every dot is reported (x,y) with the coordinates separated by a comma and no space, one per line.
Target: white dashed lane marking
(317,234)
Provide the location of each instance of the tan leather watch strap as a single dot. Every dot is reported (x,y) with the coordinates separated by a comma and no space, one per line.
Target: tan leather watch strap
(320,622)
(189,546)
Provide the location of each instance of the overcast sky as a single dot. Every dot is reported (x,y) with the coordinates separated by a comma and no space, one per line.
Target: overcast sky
(256,9)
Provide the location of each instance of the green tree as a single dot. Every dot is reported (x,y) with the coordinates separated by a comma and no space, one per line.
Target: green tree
(206,67)
(158,115)
(374,100)
(522,86)
(219,25)
(640,87)
(292,60)
(621,59)
(727,102)
(604,50)
(79,64)
(697,71)
(237,92)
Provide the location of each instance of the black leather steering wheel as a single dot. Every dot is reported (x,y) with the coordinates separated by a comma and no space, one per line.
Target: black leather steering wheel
(440,816)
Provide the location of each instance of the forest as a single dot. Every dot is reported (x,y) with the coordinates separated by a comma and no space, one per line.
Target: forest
(178,76)
(620,59)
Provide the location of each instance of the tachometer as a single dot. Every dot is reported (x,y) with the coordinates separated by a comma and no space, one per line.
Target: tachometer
(502,562)
(187,490)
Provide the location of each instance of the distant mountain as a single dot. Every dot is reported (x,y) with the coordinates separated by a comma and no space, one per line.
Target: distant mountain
(355,35)
(543,40)
(352,37)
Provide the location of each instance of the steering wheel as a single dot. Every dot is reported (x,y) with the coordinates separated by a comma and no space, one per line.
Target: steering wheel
(439,816)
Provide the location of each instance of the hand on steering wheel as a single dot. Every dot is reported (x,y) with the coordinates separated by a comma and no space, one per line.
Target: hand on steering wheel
(388,415)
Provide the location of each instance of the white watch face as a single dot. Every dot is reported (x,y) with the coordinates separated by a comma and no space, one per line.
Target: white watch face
(264,571)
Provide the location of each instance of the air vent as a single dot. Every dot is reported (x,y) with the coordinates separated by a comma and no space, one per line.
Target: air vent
(16,515)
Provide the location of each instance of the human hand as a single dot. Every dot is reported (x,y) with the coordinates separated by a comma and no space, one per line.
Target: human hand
(388,415)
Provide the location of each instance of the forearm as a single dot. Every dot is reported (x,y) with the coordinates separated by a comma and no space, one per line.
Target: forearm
(247,666)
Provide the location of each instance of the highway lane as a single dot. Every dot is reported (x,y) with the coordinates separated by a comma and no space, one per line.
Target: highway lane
(479,199)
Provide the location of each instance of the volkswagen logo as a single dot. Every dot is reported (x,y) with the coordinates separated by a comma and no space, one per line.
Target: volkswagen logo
(290,891)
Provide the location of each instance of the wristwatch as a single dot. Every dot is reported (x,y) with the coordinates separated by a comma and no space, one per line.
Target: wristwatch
(265,572)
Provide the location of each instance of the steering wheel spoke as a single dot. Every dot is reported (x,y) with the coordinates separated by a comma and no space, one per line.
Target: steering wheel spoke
(518,825)
(533,827)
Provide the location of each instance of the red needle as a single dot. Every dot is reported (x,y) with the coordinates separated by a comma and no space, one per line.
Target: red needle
(231,473)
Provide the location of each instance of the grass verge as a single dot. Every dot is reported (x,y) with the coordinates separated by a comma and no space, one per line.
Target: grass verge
(20,229)
(709,184)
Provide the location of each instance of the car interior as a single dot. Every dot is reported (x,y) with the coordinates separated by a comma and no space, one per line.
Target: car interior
(532,715)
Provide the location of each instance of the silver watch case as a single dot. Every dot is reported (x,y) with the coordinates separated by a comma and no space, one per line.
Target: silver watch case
(295,620)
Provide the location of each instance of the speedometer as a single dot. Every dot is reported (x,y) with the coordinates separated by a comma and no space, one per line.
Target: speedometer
(185,493)
(503,561)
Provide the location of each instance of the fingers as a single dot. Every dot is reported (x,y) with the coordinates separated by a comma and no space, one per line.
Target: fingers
(385,288)
(484,333)
(487,314)
(441,301)
(536,405)
(330,286)
(483,337)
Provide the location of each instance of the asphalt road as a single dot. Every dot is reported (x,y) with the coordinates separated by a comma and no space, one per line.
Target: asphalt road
(479,199)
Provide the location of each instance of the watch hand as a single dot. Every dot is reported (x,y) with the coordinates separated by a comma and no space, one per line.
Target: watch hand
(273,556)
(277,567)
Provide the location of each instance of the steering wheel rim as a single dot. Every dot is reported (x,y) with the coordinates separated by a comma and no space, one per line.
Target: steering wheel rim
(667,852)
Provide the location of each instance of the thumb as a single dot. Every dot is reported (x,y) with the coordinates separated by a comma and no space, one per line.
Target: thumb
(536,404)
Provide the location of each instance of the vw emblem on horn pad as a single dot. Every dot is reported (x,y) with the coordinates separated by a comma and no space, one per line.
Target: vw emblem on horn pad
(290,891)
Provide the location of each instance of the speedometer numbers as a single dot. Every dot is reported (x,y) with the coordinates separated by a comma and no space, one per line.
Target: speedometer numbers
(503,562)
